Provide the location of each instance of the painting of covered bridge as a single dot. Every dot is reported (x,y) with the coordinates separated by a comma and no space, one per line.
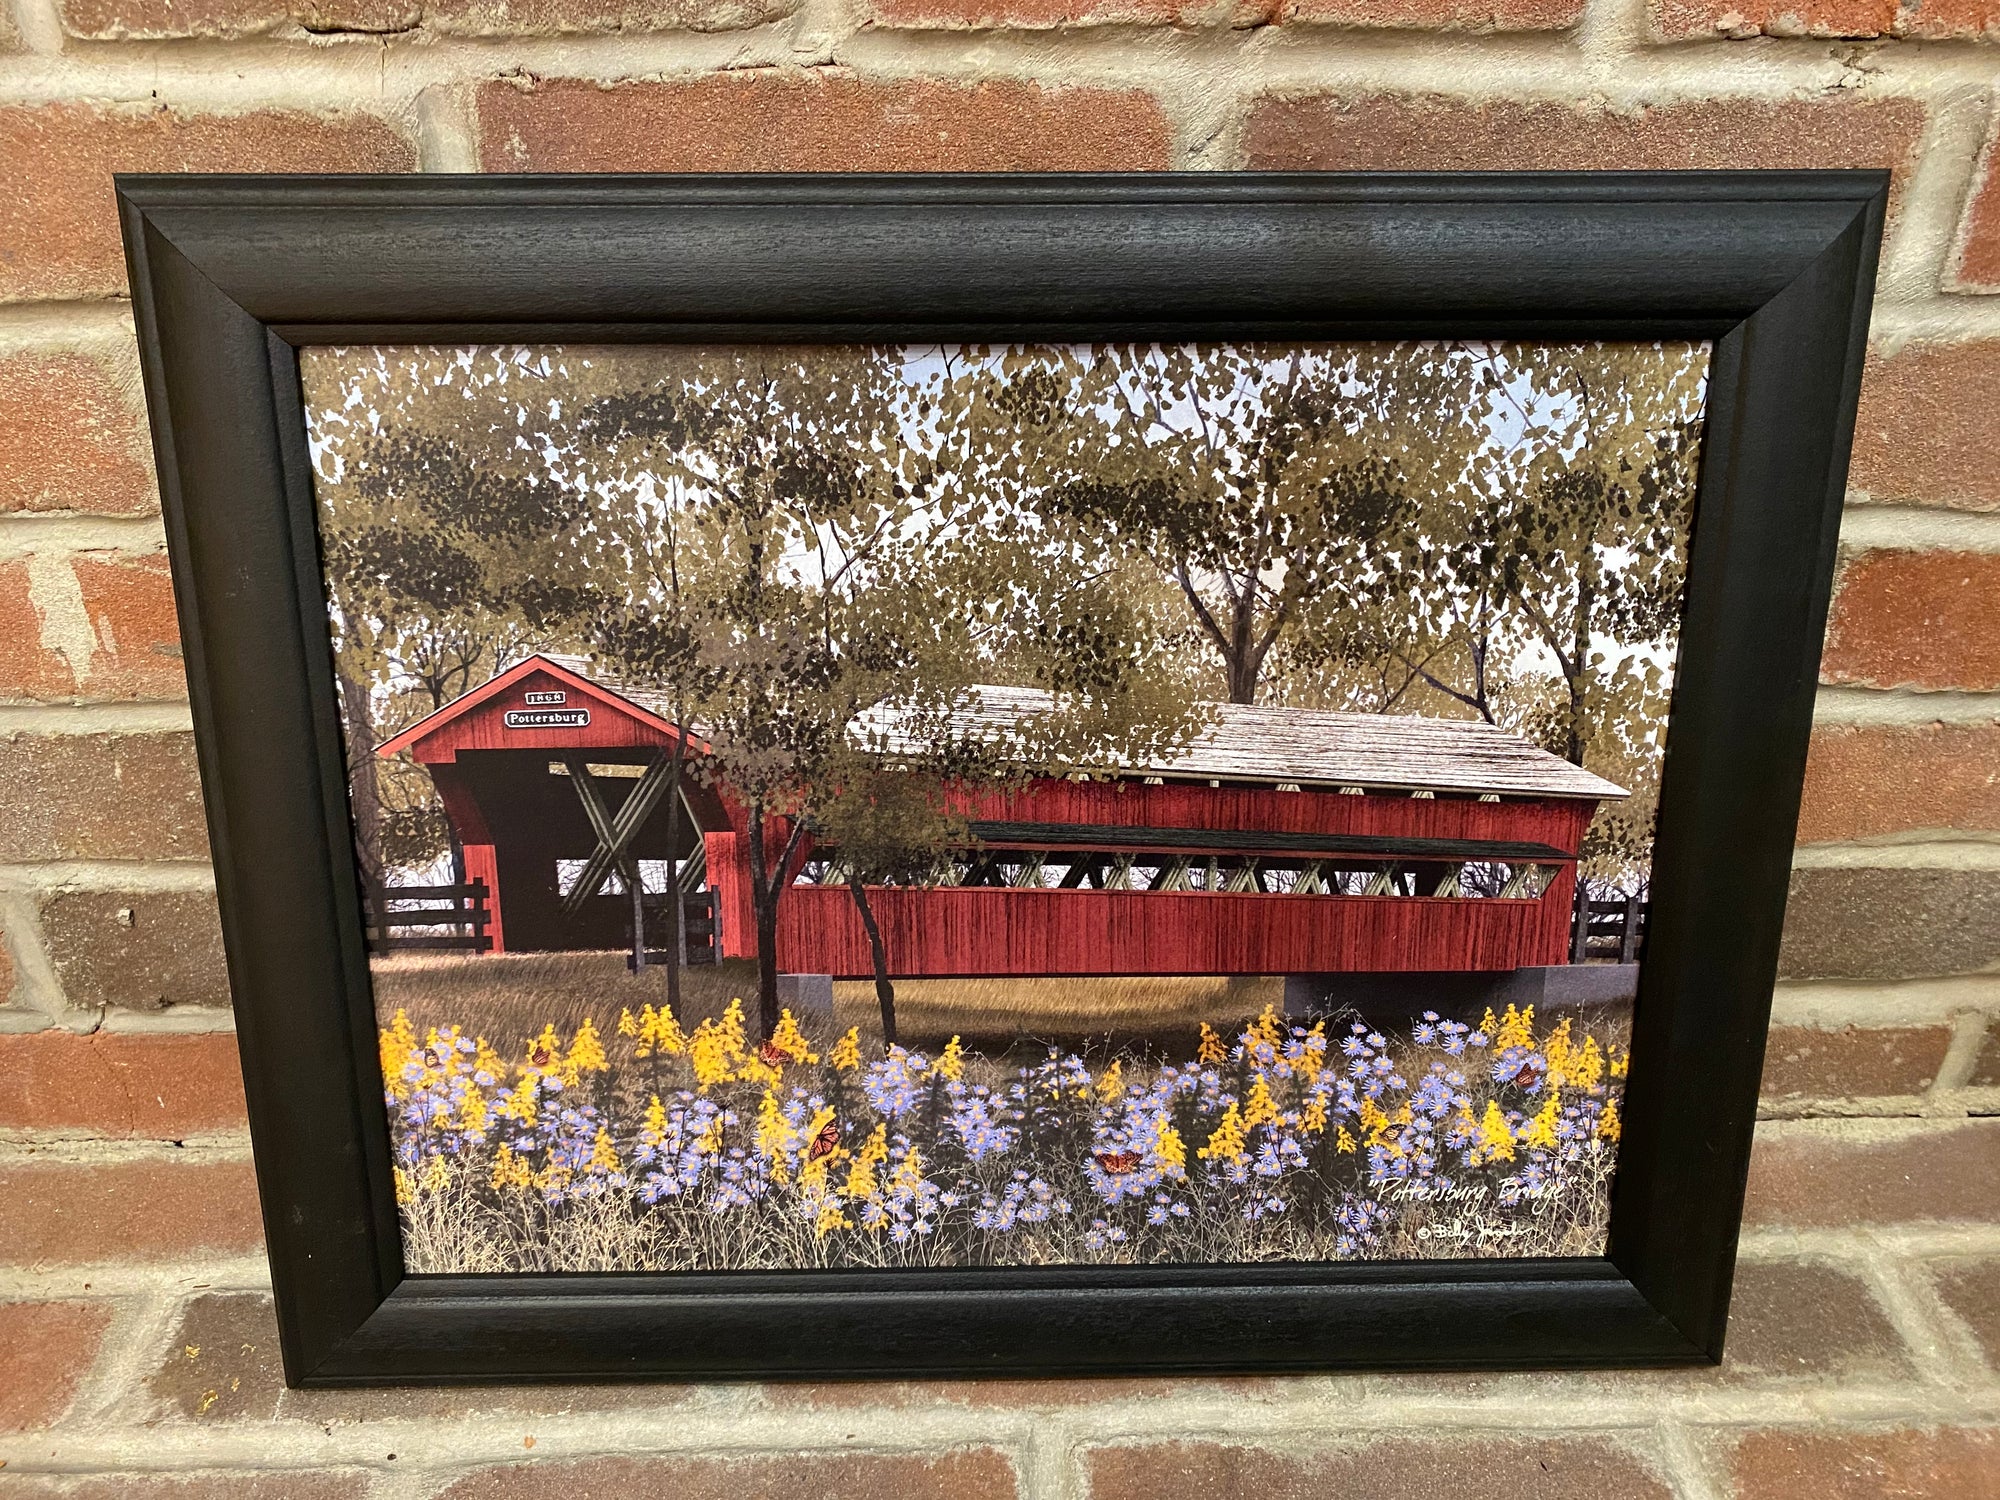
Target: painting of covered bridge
(1278,841)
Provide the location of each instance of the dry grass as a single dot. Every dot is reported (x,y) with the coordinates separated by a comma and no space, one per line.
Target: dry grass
(513,995)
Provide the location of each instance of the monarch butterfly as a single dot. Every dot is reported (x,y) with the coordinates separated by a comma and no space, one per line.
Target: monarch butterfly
(1526,1073)
(1118,1163)
(772,1054)
(540,1055)
(824,1142)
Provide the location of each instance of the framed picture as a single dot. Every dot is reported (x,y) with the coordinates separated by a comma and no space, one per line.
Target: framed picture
(864,776)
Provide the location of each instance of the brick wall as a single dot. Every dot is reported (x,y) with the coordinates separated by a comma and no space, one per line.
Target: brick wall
(136,1343)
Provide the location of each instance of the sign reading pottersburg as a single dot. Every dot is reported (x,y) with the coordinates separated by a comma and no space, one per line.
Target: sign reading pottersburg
(548,718)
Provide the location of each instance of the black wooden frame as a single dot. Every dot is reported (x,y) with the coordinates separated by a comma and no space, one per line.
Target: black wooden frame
(231,274)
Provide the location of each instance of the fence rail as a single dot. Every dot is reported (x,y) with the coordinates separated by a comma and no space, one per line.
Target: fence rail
(389,912)
(701,928)
(1614,930)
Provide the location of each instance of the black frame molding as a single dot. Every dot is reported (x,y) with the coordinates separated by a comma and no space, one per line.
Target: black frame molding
(230,275)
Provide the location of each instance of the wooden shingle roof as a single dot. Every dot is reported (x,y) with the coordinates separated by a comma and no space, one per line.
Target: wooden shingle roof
(1245,743)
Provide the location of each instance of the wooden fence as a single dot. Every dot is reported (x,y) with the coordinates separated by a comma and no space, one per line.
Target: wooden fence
(1614,930)
(700,928)
(403,917)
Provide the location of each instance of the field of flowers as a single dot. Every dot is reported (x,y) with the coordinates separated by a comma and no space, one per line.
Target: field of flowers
(1283,1143)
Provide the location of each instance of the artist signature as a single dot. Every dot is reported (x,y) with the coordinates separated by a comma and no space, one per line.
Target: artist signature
(1458,1231)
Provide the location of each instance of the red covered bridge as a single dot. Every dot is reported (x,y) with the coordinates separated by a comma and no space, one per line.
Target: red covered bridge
(1281,841)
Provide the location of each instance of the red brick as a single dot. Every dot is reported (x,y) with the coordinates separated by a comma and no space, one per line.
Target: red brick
(1916,619)
(1986,1063)
(1978,268)
(1924,20)
(1432,132)
(114,796)
(769,121)
(1862,783)
(201,1485)
(1807,1178)
(1409,15)
(58,220)
(1853,1062)
(1925,434)
(969,1474)
(1971,1288)
(74,438)
(120,1084)
(1549,1468)
(136,950)
(1803,1320)
(83,1213)
(119,20)
(46,1349)
(1890,924)
(94,626)
(1960,1462)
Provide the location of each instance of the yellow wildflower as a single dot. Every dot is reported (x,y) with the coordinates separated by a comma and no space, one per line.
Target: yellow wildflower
(1211,1050)
(472,1112)
(1262,1108)
(1488,1023)
(437,1176)
(1496,1141)
(950,1065)
(846,1054)
(1343,1141)
(510,1171)
(489,1062)
(774,1135)
(1541,1130)
(545,1051)
(709,1051)
(709,1142)
(909,1174)
(861,1176)
(1620,1061)
(1586,1065)
(829,1217)
(1112,1084)
(603,1153)
(627,1024)
(791,1041)
(521,1104)
(1227,1143)
(398,1042)
(406,1187)
(653,1129)
(1171,1150)
(1374,1122)
(586,1054)
(1609,1126)
(1517,1029)
(1559,1052)
(1265,1031)
(1313,1120)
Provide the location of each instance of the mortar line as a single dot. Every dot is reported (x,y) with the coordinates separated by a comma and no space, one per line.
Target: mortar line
(138,1331)
(25,534)
(1917,528)
(141,876)
(1961,1054)
(1688,1464)
(1838,705)
(95,719)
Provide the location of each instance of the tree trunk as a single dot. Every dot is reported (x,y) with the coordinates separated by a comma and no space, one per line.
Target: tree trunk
(636,887)
(885,992)
(363,788)
(764,902)
(677,930)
